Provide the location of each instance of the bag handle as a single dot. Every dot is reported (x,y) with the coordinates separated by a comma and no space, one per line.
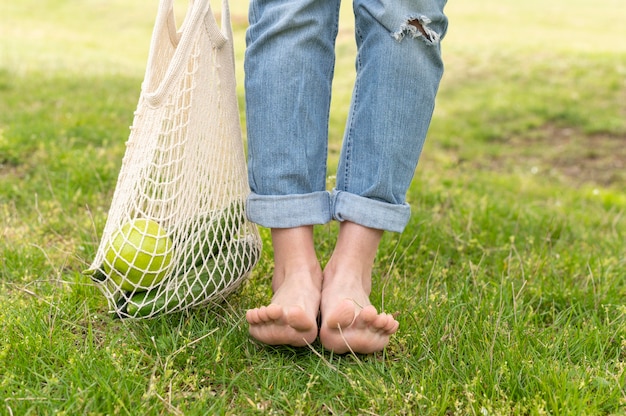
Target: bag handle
(198,14)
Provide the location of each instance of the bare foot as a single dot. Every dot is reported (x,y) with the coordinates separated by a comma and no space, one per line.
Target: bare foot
(349,321)
(291,317)
(351,325)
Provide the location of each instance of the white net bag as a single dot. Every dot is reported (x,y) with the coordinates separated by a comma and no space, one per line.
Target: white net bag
(176,234)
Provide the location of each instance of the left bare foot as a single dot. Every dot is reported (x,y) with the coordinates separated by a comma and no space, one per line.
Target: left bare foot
(349,325)
(349,321)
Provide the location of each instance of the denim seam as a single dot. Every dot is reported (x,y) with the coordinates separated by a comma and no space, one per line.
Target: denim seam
(350,130)
(335,33)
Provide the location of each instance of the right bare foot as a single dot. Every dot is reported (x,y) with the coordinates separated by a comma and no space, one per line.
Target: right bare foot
(291,317)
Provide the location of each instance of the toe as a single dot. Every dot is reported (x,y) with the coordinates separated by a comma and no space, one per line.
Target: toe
(298,320)
(392,327)
(343,316)
(273,312)
(262,314)
(386,323)
(368,316)
(379,322)
(252,316)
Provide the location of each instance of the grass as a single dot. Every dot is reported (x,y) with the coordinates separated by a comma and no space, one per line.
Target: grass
(510,280)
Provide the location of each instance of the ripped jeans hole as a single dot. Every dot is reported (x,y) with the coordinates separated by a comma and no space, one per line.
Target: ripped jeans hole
(417,27)
(416,23)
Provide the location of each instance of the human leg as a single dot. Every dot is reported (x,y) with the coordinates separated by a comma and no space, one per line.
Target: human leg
(399,68)
(289,65)
(398,73)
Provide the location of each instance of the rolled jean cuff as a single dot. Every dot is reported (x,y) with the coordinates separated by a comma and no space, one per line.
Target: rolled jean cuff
(287,211)
(370,213)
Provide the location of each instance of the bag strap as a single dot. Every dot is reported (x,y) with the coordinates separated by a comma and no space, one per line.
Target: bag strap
(172,30)
(219,36)
(198,14)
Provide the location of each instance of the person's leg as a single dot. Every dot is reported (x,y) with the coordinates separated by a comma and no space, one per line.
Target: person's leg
(398,72)
(289,67)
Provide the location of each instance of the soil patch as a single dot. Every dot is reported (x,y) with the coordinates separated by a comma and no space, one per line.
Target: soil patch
(568,153)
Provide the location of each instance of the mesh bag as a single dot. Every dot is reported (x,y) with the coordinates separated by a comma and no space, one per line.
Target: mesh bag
(176,235)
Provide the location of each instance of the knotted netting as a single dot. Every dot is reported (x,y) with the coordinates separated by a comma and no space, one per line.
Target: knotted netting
(176,234)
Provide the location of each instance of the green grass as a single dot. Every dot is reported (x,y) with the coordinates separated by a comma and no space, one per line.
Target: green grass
(509,282)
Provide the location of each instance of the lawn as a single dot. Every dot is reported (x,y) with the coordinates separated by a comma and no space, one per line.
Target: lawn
(509,282)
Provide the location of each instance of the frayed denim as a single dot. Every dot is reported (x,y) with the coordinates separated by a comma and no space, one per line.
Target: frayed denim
(289,67)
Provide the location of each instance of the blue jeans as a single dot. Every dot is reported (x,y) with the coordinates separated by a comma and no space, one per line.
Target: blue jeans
(289,68)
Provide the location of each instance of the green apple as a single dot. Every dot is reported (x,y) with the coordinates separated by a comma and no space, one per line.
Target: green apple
(139,255)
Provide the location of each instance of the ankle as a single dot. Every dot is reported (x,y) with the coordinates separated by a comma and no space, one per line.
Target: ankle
(298,281)
(348,276)
(307,274)
(294,256)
